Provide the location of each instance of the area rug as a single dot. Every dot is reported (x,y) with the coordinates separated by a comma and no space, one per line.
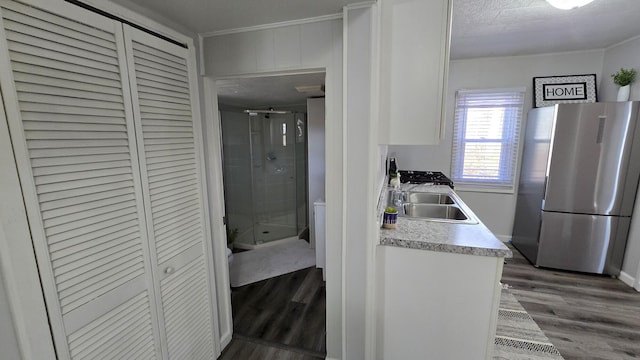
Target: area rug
(518,337)
(267,262)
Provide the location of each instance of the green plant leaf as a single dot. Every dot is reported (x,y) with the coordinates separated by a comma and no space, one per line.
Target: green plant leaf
(624,77)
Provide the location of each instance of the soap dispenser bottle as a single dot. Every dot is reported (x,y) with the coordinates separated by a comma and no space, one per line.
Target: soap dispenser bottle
(393,166)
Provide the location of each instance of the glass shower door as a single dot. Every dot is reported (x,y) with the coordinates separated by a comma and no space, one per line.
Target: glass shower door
(274,176)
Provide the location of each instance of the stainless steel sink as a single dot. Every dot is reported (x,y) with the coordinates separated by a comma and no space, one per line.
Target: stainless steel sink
(445,212)
(428,198)
(430,206)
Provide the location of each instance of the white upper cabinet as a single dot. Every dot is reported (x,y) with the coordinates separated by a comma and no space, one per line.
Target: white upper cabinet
(414,58)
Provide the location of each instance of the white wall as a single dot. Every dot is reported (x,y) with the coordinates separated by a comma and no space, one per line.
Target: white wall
(8,338)
(361,162)
(305,47)
(495,210)
(625,55)
(316,164)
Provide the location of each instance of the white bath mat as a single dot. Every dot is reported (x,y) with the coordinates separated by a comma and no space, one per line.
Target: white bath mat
(267,262)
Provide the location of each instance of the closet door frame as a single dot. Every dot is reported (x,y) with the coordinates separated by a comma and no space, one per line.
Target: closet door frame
(18,268)
(221,290)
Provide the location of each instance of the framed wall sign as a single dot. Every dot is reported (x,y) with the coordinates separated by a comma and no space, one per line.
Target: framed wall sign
(550,90)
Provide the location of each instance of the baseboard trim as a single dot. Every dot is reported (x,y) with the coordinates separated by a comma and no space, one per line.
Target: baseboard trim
(330,358)
(626,278)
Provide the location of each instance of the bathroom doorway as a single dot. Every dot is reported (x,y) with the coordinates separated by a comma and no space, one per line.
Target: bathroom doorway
(265,175)
(269,149)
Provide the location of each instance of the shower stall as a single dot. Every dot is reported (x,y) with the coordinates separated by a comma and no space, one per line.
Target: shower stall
(265,175)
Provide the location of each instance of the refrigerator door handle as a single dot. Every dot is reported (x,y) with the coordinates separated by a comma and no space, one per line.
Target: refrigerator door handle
(544,191)
(601,123)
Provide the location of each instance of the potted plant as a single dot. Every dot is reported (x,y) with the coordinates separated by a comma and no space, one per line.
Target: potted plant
(624,78)
(390,217)
(232,234)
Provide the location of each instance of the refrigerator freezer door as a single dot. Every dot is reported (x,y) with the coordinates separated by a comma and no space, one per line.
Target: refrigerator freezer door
(591,159)
(587,243)
(535,158)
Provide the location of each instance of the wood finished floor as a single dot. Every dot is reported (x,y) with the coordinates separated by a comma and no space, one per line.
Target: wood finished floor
(280,318)
(585,316)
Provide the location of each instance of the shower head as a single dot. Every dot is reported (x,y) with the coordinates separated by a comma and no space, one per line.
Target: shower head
(270,111)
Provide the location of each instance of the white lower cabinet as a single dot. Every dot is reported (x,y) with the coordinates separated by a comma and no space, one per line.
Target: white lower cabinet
(436,305)
(103,128)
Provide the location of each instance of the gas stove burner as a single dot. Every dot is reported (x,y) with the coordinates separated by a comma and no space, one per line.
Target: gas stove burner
(424,177)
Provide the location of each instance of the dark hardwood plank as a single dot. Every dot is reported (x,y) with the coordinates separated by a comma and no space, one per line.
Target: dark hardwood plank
(585,316)
(287,312)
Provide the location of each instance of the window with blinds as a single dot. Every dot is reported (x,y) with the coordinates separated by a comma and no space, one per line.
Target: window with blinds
(486,133)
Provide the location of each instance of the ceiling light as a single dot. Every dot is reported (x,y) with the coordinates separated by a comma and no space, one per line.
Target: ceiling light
(568,4)
(310,88)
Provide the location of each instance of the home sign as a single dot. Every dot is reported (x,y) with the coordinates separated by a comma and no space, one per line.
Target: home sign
(550,90)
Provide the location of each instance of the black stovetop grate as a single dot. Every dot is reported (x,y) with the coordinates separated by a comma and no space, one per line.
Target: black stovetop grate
(424,177)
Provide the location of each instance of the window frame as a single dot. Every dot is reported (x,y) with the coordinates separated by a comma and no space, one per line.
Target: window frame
(511,136)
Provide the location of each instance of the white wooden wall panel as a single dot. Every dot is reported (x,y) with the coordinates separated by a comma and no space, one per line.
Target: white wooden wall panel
(71,125)
(176,220)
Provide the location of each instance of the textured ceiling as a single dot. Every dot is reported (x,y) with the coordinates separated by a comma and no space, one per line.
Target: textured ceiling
(267,91)
(481,28)
(521,27)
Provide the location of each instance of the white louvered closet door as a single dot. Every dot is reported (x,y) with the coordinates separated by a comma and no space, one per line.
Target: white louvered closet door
(171,166)
(66,93)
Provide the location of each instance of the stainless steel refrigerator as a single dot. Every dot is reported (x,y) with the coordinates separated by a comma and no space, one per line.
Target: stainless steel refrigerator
(577,187)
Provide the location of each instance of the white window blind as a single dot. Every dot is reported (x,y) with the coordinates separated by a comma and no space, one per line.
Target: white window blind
(485,137)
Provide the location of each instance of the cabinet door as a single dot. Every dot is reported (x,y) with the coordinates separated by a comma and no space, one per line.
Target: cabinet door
(414,65)
(174,194)
(69,111)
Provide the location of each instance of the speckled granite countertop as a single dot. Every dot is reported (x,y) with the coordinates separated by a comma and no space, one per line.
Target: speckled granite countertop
(415,233)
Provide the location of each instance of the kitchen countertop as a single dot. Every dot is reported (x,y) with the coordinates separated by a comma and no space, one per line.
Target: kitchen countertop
(421,234)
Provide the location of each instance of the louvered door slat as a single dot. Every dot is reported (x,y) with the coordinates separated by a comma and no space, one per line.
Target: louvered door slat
(183,338)
(86,254)
(164,207)
(101,271)
(63,203)
(56,39)
(148,52)
(86,210)
(167,123)
(46,153)
(63,63)
(69,176)
(86,144)
(166,97)
(175,194)
(163,89)
(177,226)
(52,90)
(42,41)
(24,70)
(177,229)
(77,145)
(34,80)
(80,243)
(65,100)
(160,64)
(76,219)
(132,318)
(48,21)
(152,68)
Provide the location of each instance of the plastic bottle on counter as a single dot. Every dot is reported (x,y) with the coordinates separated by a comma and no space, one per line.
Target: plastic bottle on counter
(395,180)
